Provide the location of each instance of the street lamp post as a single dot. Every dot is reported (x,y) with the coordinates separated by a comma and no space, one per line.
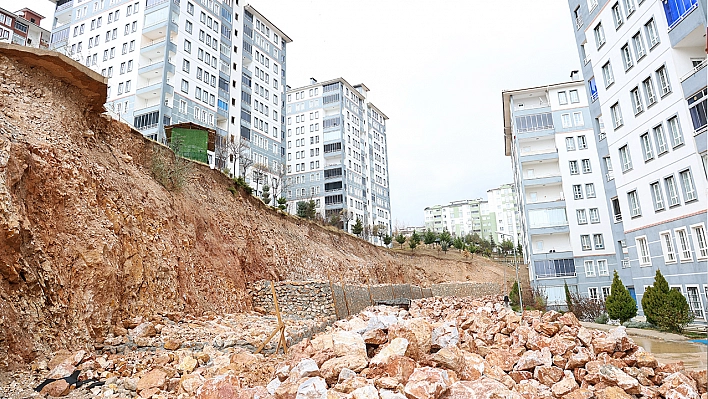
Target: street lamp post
(516,266)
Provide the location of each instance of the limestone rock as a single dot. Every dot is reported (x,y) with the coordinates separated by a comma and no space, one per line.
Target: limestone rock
(397,347)
(348,343)
(56,389)
(155,378)
(427,383)
(312,388)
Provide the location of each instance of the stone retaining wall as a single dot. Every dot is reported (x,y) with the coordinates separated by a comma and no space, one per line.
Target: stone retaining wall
(333,301)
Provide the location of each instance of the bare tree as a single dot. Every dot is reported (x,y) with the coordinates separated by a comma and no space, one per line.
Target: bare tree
(278,183)
(346,217)
(260,174)
(239,150)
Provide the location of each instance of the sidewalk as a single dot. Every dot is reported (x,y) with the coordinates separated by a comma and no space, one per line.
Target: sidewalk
(638,332)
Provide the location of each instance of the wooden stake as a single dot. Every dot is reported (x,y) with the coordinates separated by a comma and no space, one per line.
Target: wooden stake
(344,292)
(280,329)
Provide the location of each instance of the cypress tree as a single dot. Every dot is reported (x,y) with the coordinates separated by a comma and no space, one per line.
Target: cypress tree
(619,303)
(568,297)
(675,314)
(655,298)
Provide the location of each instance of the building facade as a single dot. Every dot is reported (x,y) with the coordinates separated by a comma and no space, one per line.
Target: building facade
(502,202)
(458,217)
(564,225)
(644,64)
(22,27)
(213,63)
(337,155)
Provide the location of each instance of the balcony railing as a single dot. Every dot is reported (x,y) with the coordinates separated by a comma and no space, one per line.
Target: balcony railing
(154,42)
(153,3)
(610,175)
(694,70)
(63,7)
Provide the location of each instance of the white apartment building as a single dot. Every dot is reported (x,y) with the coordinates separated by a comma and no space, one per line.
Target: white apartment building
(22,27)
(458,217)
(502,202)
(645,67)
(565,227)
(337,154)
(174,61)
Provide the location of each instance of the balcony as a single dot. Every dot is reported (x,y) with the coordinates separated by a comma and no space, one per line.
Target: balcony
(155,69)
(543,180)
(695,79)
(550,229)
(541,155)
(152,91)
(546,204)
(156,5)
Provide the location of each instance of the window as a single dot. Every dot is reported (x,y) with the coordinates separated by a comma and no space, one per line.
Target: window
(599,35)
(585,242)
(683,245)
(625,158)
(605,290)
(660,137)
(592,294)
(694,301)
(188,26)
(565,119)
(675,132)
(649,91)
(699,241)
(582,143)
(573,167)
(634,208)
(689,189)
(663,78)
(657,196)
(616,115)
(698,107)
(617,15)
(652,33)
(188,46)
(646,147)
(590,190)
(643,251)
(638,44)
(562,98)
(630,7)
(578,118)
(607,74)
(185,86)
(636,101)
(577,191)
(582,218)
(603,270)
(586,166)
(667,244)
(185,65)
(599,241)
(594,215)
(574,96)
(672,191)
(570,143)
(589,268)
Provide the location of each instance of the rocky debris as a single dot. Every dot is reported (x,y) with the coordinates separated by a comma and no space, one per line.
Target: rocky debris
(480,350)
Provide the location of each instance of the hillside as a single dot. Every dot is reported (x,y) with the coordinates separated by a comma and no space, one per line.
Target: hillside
(89,239)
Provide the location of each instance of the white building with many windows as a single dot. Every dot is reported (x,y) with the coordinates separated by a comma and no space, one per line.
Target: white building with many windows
(219,64)
(337,154)
(644,63)
(502,202)
(460,218)
(564,225)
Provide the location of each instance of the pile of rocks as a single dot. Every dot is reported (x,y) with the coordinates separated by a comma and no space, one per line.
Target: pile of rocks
(162,358)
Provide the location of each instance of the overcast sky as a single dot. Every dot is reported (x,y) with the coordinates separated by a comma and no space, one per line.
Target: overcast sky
(436,69)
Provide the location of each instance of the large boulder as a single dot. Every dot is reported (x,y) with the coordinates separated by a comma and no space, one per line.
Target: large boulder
(427,383)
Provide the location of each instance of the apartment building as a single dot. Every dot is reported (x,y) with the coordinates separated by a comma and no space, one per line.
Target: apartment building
(337,154)
(22,27)
(458,217)
(564,225)
(218,64)
(502,202)
(644,64)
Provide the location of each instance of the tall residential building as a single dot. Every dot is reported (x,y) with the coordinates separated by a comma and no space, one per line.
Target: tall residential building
(337,154)
(565,229)
(458,217)
(213,63)
(22,27)
(644,63)
(502,202)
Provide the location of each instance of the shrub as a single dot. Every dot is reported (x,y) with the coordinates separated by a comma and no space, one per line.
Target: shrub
(168,169)
(568,298)
(655,297)
(602,319)
(241,182)
(620,305)
(586,309)
(514,294)
(675,314)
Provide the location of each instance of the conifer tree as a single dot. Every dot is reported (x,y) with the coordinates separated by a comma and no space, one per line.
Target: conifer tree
(655,297)
(619,304)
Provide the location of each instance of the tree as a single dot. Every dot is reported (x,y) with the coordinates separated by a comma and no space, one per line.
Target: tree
(458,243)
(492,243)
(507,246)
(282,203)
(520,250)
(239,151)
(620,305)
(306,209)
(335,220)
(445,237)
(568,297)
(414,240)
(260,174)
(400,239)
(664,307)
(429,237)
(358,228)
(375,230)
(655,297)
(387,240)
(265,195)
(514,294)
(345,217)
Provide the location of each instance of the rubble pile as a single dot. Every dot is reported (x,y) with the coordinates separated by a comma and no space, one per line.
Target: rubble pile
(446,348)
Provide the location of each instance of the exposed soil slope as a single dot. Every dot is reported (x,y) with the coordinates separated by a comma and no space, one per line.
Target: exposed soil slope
(88,238)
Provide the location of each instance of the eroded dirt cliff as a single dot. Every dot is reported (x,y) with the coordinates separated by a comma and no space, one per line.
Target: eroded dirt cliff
(88,238)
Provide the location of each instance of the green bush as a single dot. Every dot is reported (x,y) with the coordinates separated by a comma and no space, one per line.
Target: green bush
(602,319)
(241,182)
(620,305)
(664,307)
(514,294)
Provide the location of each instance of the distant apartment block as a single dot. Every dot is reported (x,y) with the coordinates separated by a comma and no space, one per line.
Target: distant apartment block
(458,217)
(337,154)
(565,226)
(22,27)
(644,67)
(217,64)
(502,203)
